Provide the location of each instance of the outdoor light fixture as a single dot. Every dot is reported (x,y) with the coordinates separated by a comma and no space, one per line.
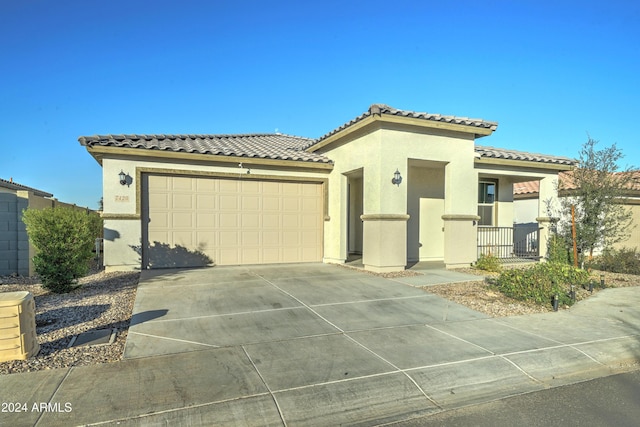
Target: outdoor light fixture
(397,178)
(125,179)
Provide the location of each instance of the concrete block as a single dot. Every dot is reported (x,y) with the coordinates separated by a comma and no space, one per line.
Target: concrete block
(8,236)
(4,267)
(5,245)
(23,245)
(7,216)
(7,254)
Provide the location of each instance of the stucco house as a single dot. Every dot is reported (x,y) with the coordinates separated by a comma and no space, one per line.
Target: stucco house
(393,186)
(527,198)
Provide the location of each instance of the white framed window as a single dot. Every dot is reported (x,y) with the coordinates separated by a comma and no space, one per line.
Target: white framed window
(487,191)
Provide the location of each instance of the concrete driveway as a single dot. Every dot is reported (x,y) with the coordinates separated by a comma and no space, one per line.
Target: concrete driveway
(187,310)
(322,345)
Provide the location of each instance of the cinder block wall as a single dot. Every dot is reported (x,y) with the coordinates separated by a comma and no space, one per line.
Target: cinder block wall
(14,243)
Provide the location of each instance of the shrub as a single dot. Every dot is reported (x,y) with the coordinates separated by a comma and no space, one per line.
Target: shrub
(64,239)
(488,263)
(625,260)
(559,251)
(541,282)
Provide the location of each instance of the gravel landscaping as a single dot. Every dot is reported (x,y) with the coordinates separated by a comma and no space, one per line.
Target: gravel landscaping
(105,301)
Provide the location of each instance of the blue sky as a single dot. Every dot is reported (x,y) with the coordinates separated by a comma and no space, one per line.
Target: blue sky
(548,71)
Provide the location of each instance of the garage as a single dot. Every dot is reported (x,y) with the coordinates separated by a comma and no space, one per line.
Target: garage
(196,221)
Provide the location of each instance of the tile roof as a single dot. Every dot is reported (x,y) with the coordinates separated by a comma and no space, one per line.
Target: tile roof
(529,187)
(500,153)
(385,109)
(15,186)
(567,183)
(294,148)
(265,146)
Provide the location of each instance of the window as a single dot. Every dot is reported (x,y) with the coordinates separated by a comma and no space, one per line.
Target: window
(486,200)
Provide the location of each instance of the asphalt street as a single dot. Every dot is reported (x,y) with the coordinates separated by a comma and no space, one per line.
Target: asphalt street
(607,401)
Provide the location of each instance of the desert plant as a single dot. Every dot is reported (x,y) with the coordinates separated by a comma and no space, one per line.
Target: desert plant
(624,260)
(541,282)
(488,262)
(64,239)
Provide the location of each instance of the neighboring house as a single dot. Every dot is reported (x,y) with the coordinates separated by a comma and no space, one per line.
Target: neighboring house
(15,250)
(526,198)
(394,186)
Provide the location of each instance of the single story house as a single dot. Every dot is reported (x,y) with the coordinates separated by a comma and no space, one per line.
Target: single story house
(393,186)
(527,198)
(15,250)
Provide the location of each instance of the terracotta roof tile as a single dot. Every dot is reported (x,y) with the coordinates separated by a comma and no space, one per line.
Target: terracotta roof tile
(385,109)
(500,153)
(266,146)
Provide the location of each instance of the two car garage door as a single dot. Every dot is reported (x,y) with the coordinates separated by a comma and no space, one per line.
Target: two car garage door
(197,221)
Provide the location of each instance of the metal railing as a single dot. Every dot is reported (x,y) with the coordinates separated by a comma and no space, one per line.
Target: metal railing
(519,242)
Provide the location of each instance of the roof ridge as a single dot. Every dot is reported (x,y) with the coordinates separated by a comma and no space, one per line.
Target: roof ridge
(379,109)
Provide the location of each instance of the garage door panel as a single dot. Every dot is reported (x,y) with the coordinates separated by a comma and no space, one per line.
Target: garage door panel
(228,186)
(184,239)
(250,238)
(205,201)
(229,238)
(182,220)
(270,187)
(290,204)
(227,222)
(159,201)
(229,202)
(270,203)
(182,183)
(270,221)
(250,220)
(205,219)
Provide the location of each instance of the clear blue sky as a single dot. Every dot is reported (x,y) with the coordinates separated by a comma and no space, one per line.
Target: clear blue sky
(547,71)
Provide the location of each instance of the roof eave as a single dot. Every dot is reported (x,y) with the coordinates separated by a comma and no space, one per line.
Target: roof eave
(99,152)
(523,163)
(477,131)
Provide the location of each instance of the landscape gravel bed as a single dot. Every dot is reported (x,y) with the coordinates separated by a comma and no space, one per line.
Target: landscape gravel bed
(103,301)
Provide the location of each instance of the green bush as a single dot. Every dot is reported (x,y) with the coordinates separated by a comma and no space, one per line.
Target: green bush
(65,240)
(488,263)
(559,250)
(625,260)
(541,282)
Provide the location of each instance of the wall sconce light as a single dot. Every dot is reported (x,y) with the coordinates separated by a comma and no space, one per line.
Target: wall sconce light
(125,179)
(397,178)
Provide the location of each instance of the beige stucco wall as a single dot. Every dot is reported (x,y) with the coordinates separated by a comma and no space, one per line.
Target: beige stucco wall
(122,223)
(379,151)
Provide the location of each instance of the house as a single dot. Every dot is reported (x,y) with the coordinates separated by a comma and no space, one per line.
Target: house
(15,250)
(526,198)
(393,186)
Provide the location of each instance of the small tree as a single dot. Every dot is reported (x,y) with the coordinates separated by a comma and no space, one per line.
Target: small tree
(597,189)
(64,238)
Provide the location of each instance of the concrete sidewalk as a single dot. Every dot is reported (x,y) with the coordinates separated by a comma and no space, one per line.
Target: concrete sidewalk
(320,345)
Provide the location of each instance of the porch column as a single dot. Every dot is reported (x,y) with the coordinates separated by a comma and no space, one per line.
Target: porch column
(548,194)
(546,224)
(460,240)
(384,242)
